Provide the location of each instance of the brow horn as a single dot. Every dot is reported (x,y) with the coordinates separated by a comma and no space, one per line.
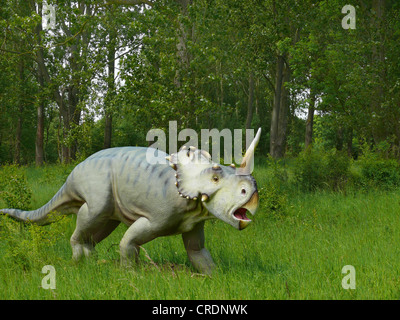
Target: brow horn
(246,167)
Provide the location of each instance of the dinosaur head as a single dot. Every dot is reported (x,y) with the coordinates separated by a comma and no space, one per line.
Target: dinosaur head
(227,192)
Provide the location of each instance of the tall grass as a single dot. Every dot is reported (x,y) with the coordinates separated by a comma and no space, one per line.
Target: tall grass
(295,250)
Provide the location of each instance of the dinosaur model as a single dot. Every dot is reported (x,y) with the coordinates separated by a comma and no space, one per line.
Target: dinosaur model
(176,197)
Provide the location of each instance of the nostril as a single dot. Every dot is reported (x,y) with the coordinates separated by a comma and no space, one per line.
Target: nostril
(243,191)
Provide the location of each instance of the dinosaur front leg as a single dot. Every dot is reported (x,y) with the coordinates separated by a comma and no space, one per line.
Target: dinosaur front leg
(194,245)
(137,234)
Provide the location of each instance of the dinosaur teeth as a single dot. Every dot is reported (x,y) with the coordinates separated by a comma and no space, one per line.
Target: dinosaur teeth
(195,198)
(204,197)
(216,167)
(168,158)
(232,165)
(173,166)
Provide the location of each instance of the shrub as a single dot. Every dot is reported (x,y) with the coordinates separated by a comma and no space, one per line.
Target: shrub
(337,166)
(273,189)
(317,169)
(308,170)
(14,188)
(272,200)
(27,244)
(378,172)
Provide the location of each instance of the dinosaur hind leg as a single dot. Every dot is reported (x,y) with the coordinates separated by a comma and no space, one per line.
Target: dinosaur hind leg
(89,225)
(105,231)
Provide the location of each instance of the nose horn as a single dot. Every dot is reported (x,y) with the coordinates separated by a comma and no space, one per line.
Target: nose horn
(247,165)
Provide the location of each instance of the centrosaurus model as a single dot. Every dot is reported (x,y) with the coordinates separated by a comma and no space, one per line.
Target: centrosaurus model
(120,185)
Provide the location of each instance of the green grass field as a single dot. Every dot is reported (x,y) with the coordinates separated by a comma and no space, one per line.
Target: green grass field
(298,253)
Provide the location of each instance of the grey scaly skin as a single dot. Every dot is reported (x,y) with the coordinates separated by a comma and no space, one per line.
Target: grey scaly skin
(120,185)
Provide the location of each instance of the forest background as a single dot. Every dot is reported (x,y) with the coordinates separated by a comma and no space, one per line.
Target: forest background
(101,74)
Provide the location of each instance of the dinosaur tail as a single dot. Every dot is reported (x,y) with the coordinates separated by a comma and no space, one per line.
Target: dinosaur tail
(60,201)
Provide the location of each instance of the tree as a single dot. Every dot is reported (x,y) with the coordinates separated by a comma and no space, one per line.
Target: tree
(111,70)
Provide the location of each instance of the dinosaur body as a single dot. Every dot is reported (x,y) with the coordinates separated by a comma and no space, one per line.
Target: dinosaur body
(120,185)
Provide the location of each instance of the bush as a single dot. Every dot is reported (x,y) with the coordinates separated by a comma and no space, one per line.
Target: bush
(272,200)
(317,169)
(377,172)
(273,190)
(14,188)
(337,169)
(26,244)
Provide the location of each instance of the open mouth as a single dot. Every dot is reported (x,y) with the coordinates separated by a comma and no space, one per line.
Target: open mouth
(240,214)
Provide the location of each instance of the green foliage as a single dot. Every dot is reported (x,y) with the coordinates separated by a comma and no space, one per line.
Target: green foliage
(26,245)
(273,189)
(272,200)
(381,172)
(14,188)
(378,171)
(54,173)
(337,165)
(295,138)
(317,169)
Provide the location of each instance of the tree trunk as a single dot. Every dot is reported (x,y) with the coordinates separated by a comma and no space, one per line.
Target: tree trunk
(250,104)
(378,60)
(107,131)
(283,115)
(74,118)
(64,123)
(18,131)
(110,92)
(182,51)
(280,110)
(339,139)
(18,135)
(39,151)
(350,143)
(397,150)
(276,106)
(310,120)
(39,143)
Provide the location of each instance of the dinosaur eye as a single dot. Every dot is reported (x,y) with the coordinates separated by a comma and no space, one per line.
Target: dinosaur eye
(243,191)
(215,178)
